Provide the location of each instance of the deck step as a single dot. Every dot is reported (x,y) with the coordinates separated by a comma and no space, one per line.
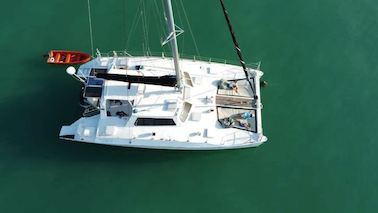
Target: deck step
(91,111)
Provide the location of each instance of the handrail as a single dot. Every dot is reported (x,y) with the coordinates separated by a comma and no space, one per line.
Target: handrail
(255,65)
(231,137)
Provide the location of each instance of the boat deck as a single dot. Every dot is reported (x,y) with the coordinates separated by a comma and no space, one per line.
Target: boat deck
(234,101)
(235,105)
(243,89)
(219,117)
(238,118)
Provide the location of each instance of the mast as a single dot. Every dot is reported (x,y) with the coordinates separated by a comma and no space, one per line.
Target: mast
(172,37)
(237,48)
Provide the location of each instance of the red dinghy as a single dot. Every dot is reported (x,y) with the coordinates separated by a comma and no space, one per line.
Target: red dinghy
(67,57)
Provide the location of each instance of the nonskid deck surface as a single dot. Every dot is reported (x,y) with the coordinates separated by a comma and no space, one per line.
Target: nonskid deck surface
(201,129)
(243,89)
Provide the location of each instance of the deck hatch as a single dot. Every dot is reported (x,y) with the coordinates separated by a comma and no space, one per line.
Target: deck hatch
(154,122)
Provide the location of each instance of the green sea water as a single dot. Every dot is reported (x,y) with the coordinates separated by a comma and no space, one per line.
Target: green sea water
(320,110)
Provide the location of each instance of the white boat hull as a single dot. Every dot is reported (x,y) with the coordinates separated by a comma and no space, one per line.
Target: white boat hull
(201,131)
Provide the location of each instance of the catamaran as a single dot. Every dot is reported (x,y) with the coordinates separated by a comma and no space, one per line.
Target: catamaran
(161,102)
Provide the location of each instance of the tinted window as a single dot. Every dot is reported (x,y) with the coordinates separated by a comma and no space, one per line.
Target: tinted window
(93,92)
(98,70)
(154,122)
(95,82)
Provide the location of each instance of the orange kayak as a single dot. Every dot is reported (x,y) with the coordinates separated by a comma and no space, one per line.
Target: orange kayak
(67,57)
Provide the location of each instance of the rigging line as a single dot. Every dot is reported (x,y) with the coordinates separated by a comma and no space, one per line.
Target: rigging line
(147,18)
(182,44)
(142,18)
(181,23)
(162,26)
(190,28)
(144,26)
(237,48)
(143,11)
(133,25)
(90,26)
(124,19)
(158,26)
(165,23)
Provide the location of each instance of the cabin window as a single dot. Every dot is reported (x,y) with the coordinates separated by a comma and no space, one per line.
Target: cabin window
(95,71)
(95,82)
(93,92)
(93,87)
(154,122)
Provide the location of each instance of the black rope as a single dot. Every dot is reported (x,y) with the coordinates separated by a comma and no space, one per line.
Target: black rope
(237,48)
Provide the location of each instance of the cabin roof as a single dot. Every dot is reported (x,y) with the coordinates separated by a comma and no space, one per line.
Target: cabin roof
(157,101)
